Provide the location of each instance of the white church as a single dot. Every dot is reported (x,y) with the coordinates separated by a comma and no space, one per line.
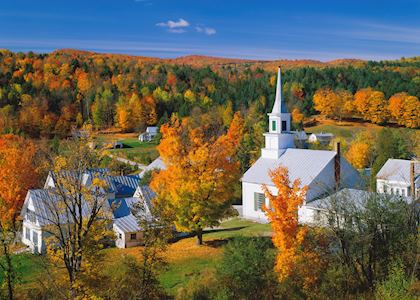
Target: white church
(324,172)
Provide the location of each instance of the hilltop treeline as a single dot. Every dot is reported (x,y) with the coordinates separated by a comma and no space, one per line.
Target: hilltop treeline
(48,94)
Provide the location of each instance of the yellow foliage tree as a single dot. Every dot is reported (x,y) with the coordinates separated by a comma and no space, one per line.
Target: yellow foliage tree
(199,181)
(333,104)
(297,116)
(405,110)
(358,154)
(371,105)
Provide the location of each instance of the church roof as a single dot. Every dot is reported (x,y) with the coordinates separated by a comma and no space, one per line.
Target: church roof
(304,164)
(279,103)
(398,170)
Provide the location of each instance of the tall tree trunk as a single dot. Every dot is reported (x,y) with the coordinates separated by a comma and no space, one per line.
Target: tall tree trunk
(199,233)
(9,270)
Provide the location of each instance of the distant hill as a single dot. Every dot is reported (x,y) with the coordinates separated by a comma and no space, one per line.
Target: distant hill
(215,62)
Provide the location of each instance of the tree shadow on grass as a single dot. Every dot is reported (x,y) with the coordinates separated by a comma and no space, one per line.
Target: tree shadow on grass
(207,231)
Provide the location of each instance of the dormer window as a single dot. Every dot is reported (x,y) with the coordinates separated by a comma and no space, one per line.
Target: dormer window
(273,126)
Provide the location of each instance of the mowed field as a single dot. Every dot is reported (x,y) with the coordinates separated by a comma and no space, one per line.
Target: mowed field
(185,259)
(133,149)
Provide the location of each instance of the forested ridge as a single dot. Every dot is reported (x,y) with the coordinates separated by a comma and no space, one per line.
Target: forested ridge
(42,95)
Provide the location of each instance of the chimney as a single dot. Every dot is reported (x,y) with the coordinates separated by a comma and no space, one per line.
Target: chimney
(412,179)
(337,166)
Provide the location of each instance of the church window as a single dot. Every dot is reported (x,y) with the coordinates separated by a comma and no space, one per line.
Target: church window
(273,126)
(283,125)
(259,201)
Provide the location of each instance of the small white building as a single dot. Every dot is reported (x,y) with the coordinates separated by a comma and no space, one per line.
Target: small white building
(149,134)
(322,171)
(399,177)
(322,138)
(125,224)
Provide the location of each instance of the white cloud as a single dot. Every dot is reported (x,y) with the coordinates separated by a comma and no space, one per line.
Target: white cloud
(175,26)
(205,30)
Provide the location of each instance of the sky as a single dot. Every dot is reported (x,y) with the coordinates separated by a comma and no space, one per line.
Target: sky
(253,29)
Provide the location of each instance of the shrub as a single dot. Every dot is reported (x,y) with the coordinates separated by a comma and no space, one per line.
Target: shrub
(396,286)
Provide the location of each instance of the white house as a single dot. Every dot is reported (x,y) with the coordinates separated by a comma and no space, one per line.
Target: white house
(125,223)
(38,209)
(322,138)
(322,171)
(399,177)
(149,134)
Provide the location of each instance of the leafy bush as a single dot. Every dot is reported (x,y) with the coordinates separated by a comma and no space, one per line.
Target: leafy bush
(396,286)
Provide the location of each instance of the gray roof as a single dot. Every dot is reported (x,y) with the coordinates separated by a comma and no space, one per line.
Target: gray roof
(125,185)
(46,204)
(398,170)
(127,224)
(124,209)
(152,129)
(156,164)
(355,196)
(303,164)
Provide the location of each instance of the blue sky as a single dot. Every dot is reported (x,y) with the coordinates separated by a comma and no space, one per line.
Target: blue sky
(255,29)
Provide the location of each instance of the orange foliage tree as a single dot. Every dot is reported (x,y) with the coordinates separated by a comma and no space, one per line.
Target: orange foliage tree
(17,174)
(290,238)
(297,116)
(358,154)
(371,105)
(333,104)
(199,182)
(405,110)
(283,214)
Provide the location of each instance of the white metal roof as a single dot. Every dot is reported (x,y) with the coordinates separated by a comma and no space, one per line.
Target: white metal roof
(156,164)
(304,164)
(397,170)
(127,224)
(152,129)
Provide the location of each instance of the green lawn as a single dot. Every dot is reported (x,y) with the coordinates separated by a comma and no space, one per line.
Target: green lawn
(346,132)
(199,259)
(27,267)
(137,151)
(185,259)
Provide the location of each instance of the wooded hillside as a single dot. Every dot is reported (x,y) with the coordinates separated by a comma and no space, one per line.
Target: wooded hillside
(47,94)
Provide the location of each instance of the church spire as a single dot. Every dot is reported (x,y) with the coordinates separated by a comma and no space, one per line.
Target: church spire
(279,104)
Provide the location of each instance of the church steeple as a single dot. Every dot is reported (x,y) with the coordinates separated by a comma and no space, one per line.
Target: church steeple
(279,104)
(279,137)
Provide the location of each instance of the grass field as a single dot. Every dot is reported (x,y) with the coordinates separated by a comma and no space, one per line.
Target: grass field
(133,149)
(185,259)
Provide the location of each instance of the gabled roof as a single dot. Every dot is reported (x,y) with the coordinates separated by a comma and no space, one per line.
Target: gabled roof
(398,170)
(304,164)
(127,224)
(354,196)
(156,164)
(357,198)
(152,129)
(46,204)
(125,185)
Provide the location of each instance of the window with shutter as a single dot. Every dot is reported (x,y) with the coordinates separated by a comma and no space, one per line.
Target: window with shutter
(259,201)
